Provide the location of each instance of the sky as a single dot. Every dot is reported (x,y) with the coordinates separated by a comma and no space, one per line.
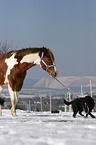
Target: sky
(66,27)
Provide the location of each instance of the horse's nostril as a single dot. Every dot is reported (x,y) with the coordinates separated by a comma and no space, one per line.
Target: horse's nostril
(53,75)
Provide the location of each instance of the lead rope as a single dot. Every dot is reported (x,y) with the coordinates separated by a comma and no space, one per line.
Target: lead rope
(47,67)
(63,85)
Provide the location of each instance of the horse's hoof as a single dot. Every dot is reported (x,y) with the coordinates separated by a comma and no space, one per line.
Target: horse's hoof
(13,113)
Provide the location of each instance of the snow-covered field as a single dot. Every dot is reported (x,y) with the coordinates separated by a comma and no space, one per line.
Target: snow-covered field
(46,129)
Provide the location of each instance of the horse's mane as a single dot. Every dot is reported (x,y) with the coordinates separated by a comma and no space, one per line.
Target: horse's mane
(23,51)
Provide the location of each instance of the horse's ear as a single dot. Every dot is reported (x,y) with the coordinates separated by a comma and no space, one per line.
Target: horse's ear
(45,49)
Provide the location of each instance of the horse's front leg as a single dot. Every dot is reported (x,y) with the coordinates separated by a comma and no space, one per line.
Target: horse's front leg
(14,100)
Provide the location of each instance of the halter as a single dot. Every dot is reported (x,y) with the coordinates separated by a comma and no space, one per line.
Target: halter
(47,66)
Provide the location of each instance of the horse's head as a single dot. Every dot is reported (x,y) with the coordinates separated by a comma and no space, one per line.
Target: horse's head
(47,62)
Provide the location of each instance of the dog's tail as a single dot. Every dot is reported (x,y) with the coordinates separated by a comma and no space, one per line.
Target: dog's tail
(67,103)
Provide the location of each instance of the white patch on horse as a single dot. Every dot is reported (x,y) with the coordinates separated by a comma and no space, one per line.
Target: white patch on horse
(11,62)
(31,58)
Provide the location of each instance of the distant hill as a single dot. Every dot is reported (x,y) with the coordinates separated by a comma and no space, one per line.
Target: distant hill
(28,83)
(68,81)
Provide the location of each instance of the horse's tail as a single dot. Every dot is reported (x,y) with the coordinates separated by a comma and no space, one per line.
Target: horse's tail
(67,103)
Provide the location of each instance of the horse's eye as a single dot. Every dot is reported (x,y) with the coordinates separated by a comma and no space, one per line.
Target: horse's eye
(49,59)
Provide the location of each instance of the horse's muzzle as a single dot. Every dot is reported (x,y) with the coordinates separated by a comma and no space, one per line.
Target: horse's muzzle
(54,74)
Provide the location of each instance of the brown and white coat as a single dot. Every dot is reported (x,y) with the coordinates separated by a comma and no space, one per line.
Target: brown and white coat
(14,65)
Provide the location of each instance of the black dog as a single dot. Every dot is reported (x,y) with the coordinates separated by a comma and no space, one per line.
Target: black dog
(82,104)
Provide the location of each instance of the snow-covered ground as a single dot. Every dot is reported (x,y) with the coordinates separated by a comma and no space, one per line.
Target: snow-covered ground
(46,129)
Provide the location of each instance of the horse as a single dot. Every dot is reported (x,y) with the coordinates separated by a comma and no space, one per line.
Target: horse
(82,104)
(14,65)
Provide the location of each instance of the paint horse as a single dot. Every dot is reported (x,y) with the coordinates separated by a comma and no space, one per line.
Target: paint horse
(14,65)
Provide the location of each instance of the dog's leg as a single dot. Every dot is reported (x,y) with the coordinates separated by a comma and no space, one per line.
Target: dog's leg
(75,110)
(86,115)
(91,115)
(81,113)
(74,114)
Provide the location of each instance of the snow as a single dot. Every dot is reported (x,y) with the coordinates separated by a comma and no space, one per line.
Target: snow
(32,128)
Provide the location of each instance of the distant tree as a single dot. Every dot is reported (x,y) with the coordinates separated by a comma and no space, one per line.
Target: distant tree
(5,47)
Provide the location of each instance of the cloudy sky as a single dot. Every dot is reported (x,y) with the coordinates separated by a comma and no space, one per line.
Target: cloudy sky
(67,27)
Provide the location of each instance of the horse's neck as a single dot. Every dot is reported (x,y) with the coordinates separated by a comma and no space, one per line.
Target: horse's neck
(31,58)
(25,66)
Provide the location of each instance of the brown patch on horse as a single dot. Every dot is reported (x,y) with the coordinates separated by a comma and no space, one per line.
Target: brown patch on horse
(17,75)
